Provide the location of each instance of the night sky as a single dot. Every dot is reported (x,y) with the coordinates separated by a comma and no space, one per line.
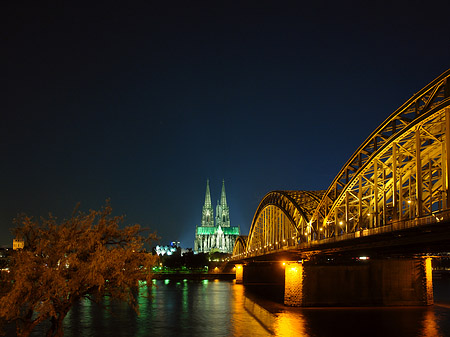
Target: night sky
(141,102)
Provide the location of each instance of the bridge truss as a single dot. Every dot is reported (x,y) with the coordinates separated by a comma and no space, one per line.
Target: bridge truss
(400,172)
(281,219)
(240,245)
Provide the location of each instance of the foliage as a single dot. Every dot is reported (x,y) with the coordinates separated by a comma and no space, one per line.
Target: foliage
(218,256)
(195,261)
(86,256)
(192,261)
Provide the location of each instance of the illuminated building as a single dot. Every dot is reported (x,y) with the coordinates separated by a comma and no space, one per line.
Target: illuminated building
(167,250)
(18,244)
(218,235)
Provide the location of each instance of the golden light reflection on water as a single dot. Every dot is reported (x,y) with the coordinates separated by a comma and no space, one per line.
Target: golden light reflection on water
(290,324)
(430,326)
(237,303)
(242,322)
(282,323)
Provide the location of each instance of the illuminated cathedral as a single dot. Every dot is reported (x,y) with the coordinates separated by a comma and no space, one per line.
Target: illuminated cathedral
(215,234)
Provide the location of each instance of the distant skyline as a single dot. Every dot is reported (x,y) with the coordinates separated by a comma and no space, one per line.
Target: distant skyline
(143,102)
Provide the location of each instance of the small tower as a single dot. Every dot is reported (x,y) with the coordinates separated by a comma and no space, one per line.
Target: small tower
(207,212)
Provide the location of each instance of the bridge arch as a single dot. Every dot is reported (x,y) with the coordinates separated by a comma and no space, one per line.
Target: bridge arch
(281,220)
(240,246)
(400,172)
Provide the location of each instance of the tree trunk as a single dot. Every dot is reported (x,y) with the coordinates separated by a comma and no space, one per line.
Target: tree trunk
(24,331)
(51,330)
(57,329)
(26,325)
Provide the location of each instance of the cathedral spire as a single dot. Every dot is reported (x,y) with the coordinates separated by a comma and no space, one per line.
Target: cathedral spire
(223,198)
(222,210)
(207,195)
(207,212)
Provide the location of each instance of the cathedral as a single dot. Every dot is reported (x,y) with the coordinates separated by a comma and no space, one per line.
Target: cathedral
(215,234)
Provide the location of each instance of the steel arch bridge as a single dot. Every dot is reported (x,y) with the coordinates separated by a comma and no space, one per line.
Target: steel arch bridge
(280,221)
(240,245)
(397,178)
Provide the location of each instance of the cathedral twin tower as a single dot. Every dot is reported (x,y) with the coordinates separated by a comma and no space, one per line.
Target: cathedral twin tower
(215,234)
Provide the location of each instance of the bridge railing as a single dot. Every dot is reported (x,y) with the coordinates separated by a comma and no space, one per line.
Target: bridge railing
(393,226)
(426,220)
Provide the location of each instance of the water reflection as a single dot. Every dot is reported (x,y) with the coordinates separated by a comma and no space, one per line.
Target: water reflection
(404,321)
(223,308)
(143,300)
(430,326)
(290,324)
(243,322)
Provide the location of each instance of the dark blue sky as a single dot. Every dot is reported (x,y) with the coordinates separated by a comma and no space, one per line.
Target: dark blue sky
(143,103)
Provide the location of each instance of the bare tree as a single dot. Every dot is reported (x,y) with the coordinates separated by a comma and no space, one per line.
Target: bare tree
(88,256)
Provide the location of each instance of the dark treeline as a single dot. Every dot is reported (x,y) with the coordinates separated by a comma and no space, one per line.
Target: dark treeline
(191,261)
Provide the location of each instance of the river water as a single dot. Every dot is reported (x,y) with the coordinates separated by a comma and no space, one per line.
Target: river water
(223,308)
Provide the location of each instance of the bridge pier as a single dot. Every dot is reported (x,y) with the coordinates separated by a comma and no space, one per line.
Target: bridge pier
(386,282)
(293,284)
(239,273)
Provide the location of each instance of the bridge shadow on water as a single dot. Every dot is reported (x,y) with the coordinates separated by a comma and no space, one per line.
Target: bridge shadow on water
(265,304)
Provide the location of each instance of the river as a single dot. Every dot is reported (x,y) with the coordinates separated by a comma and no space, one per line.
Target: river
(223,308)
